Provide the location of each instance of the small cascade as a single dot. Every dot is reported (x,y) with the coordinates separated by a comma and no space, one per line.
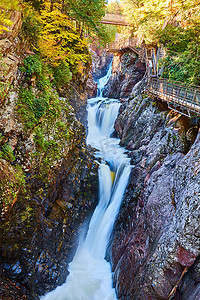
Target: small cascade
(102,81)
(90,276)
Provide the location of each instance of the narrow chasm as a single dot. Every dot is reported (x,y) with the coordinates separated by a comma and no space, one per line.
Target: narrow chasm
(99,177)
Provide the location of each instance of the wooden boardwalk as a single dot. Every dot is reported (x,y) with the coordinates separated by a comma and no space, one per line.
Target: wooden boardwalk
(114,19)
(181,98)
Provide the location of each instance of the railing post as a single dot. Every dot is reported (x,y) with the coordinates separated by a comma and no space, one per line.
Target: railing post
(193,100)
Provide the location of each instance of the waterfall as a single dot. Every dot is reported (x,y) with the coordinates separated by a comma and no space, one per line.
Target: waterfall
(102,81)
(90,276)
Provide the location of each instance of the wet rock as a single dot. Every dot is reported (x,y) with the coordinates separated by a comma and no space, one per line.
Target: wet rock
(127,72)
(77,97)
(91,87)
(12,290)
(100,61)
(36,251)
(189,288)
(156,234)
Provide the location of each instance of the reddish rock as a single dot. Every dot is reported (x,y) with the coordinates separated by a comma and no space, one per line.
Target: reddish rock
(184,257)
(127,72)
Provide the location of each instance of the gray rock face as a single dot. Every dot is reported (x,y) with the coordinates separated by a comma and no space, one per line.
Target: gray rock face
(156,237)
(100,61)
(127,72)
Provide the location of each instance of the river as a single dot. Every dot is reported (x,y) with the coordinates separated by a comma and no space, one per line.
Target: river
(90,276)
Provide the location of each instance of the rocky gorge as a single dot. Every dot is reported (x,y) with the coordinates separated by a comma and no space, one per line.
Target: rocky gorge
(154,246)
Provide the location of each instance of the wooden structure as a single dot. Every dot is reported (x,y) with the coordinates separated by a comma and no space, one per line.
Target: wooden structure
(152,61)
(179,97)
(114,19)
(149,56)
(125,45)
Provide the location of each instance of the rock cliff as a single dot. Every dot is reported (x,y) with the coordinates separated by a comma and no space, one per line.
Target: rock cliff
(48,178)
(127,71)
(154,249)
(100,61)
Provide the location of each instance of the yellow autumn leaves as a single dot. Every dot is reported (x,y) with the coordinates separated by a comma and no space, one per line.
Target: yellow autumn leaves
(6,7)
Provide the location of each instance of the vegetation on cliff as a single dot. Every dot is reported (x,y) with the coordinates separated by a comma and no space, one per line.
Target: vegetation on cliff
(6,7)
(176,25)
(48,180)
(53,31)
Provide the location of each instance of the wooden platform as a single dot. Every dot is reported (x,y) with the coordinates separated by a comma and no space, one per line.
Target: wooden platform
(179,97)
(182,98)
(125,45)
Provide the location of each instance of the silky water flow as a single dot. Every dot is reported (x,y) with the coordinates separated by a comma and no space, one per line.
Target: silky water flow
(90,276)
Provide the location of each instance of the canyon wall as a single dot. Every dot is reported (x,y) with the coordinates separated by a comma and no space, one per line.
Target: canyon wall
(48,178)
(127,71)
(154,248)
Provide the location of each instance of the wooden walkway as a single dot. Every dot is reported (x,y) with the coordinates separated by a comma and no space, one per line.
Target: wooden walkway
(179,97)
(125,45)
(114,19)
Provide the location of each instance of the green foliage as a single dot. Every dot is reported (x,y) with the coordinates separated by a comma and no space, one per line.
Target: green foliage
(176,39)
(149,16)
(26,215)
(183,61)
(183,67)
(36,4)
(44,114)
(7,153)
(176,25)
(110,32)
(32,66)
(87,13)
(60,42)
(33,105)
(31,26)
(61,74)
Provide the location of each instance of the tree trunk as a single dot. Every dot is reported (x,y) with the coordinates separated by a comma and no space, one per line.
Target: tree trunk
(63,6)
(51,7)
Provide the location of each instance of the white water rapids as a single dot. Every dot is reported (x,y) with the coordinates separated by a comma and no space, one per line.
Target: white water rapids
(90,275)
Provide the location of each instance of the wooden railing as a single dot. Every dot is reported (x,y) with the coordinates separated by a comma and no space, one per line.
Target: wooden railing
(184,99)
(117,46)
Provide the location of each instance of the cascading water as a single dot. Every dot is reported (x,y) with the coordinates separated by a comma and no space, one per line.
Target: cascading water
(90,275)
(103,80)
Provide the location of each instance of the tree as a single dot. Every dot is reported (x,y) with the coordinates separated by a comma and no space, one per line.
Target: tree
(114,8)
(183,46)
(58,42)
(149,16)
(87,13)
